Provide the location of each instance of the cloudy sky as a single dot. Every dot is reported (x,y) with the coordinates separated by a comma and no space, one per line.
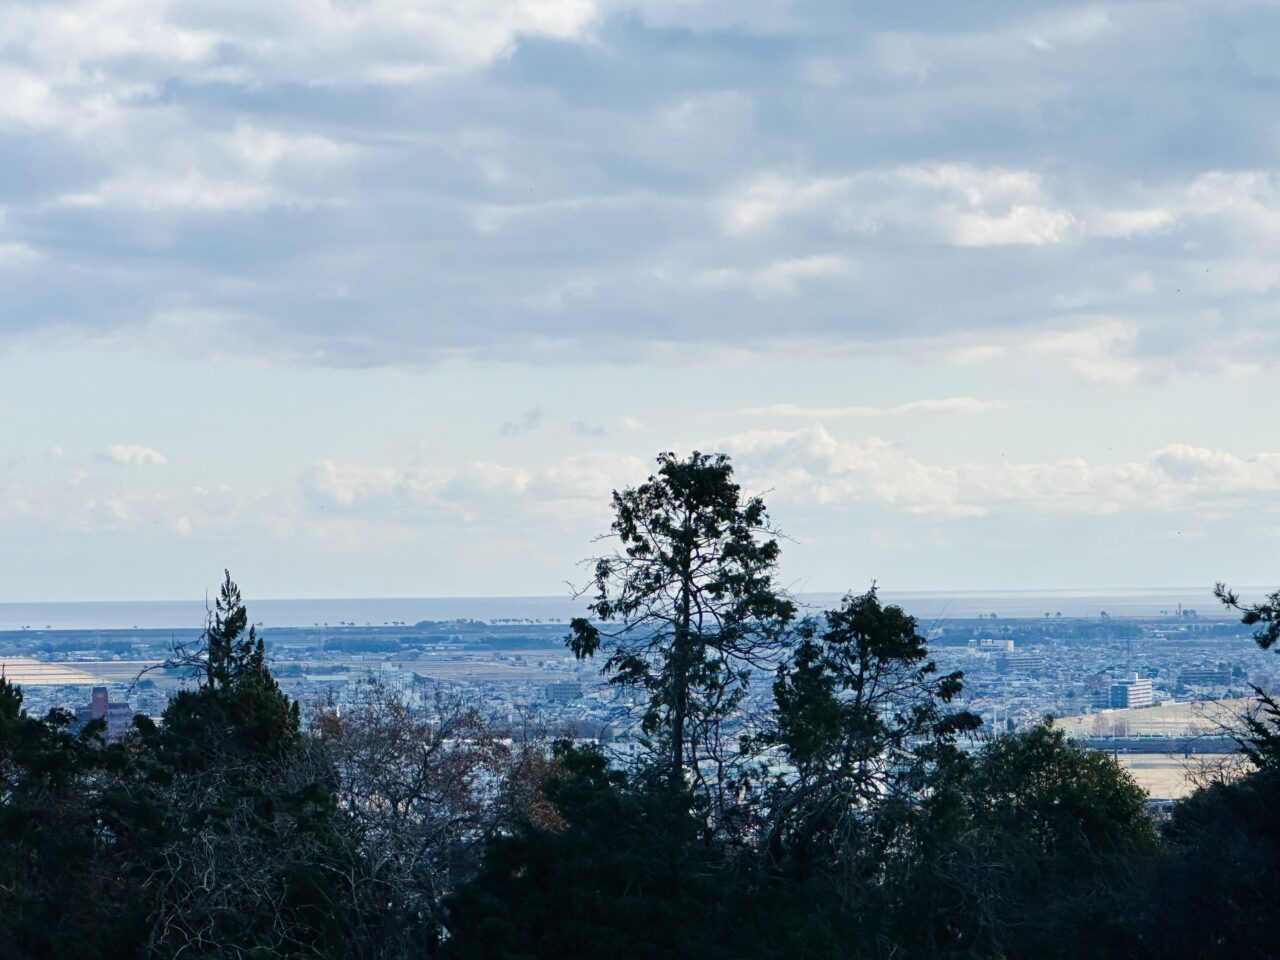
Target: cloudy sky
(383,297)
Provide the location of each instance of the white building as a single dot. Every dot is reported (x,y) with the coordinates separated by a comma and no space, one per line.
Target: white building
(1131,692)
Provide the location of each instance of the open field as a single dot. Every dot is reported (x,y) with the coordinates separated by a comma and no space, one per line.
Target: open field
(1172,776)
(1203,718)
(28,672)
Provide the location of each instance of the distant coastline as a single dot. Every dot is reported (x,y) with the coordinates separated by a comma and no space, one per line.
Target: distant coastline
(926,605)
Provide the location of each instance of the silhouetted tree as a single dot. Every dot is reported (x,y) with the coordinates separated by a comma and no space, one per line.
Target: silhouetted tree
(1212,892)
(72,822)
(862,717)
(254,864)
(1265,616)
(421,785)
(624,875)
(1024,849)
(685,608)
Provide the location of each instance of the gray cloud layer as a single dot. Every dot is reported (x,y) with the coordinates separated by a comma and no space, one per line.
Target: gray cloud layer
(389,182)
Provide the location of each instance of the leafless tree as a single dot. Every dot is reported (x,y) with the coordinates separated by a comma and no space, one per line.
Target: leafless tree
(423,781)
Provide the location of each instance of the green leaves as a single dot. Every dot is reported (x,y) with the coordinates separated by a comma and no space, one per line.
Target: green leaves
(1266,613)
(860,692)
(686,605)
(583,639)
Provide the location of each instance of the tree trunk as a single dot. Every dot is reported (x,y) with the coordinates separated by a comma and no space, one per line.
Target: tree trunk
(680,662)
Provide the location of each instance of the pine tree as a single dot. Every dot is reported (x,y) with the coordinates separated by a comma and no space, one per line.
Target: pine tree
(686,608)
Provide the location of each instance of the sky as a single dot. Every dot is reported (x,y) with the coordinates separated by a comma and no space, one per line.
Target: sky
(384,297)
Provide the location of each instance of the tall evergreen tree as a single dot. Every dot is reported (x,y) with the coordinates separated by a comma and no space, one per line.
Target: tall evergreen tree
(254,861)
(862,716)
(685,608)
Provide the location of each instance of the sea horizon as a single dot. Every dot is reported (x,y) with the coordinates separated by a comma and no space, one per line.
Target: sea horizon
(379,611)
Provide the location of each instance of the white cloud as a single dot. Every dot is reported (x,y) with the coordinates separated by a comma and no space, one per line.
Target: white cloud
(348,485)
(779,278)
(1096,350)
(1031,225)
(1095,347)
(947,405)
(1074,28)
(1217,470)
(577,485)
(309,42)
(958,204)
(1121,222)
(134,455)
(404,495)
(812,465)
(1250,198)
(784,277)
(248,168)
(192,190)
(16,254)
(1247,200)
(759,203)
(973,206)
(589,478)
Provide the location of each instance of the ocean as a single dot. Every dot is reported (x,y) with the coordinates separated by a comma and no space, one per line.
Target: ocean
(927,606)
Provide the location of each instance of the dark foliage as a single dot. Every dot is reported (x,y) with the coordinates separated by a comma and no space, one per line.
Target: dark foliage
(1021,850)
(211,834)
(863,719)
(625,876)
(685,609)
(68,817)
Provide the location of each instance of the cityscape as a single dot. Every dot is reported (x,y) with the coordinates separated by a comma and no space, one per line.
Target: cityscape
(1158,691)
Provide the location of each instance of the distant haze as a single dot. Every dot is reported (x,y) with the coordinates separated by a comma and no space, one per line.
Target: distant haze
(334,612)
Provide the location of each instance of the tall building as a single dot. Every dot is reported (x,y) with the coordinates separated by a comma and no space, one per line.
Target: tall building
(1220,677)
(119,716)
(1132,692)
(1021,663)
(564,691)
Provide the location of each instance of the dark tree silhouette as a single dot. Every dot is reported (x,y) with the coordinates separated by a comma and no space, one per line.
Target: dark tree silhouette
(862,715)
(686,607)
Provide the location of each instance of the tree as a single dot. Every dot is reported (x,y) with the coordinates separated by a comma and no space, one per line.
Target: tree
(625,875)
(1025,849)
(421,786)
(1212,892)
(68,832)
(252,862)
(686,608)
(1258,733)
(861,715)
(1265,615)
(225,656)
